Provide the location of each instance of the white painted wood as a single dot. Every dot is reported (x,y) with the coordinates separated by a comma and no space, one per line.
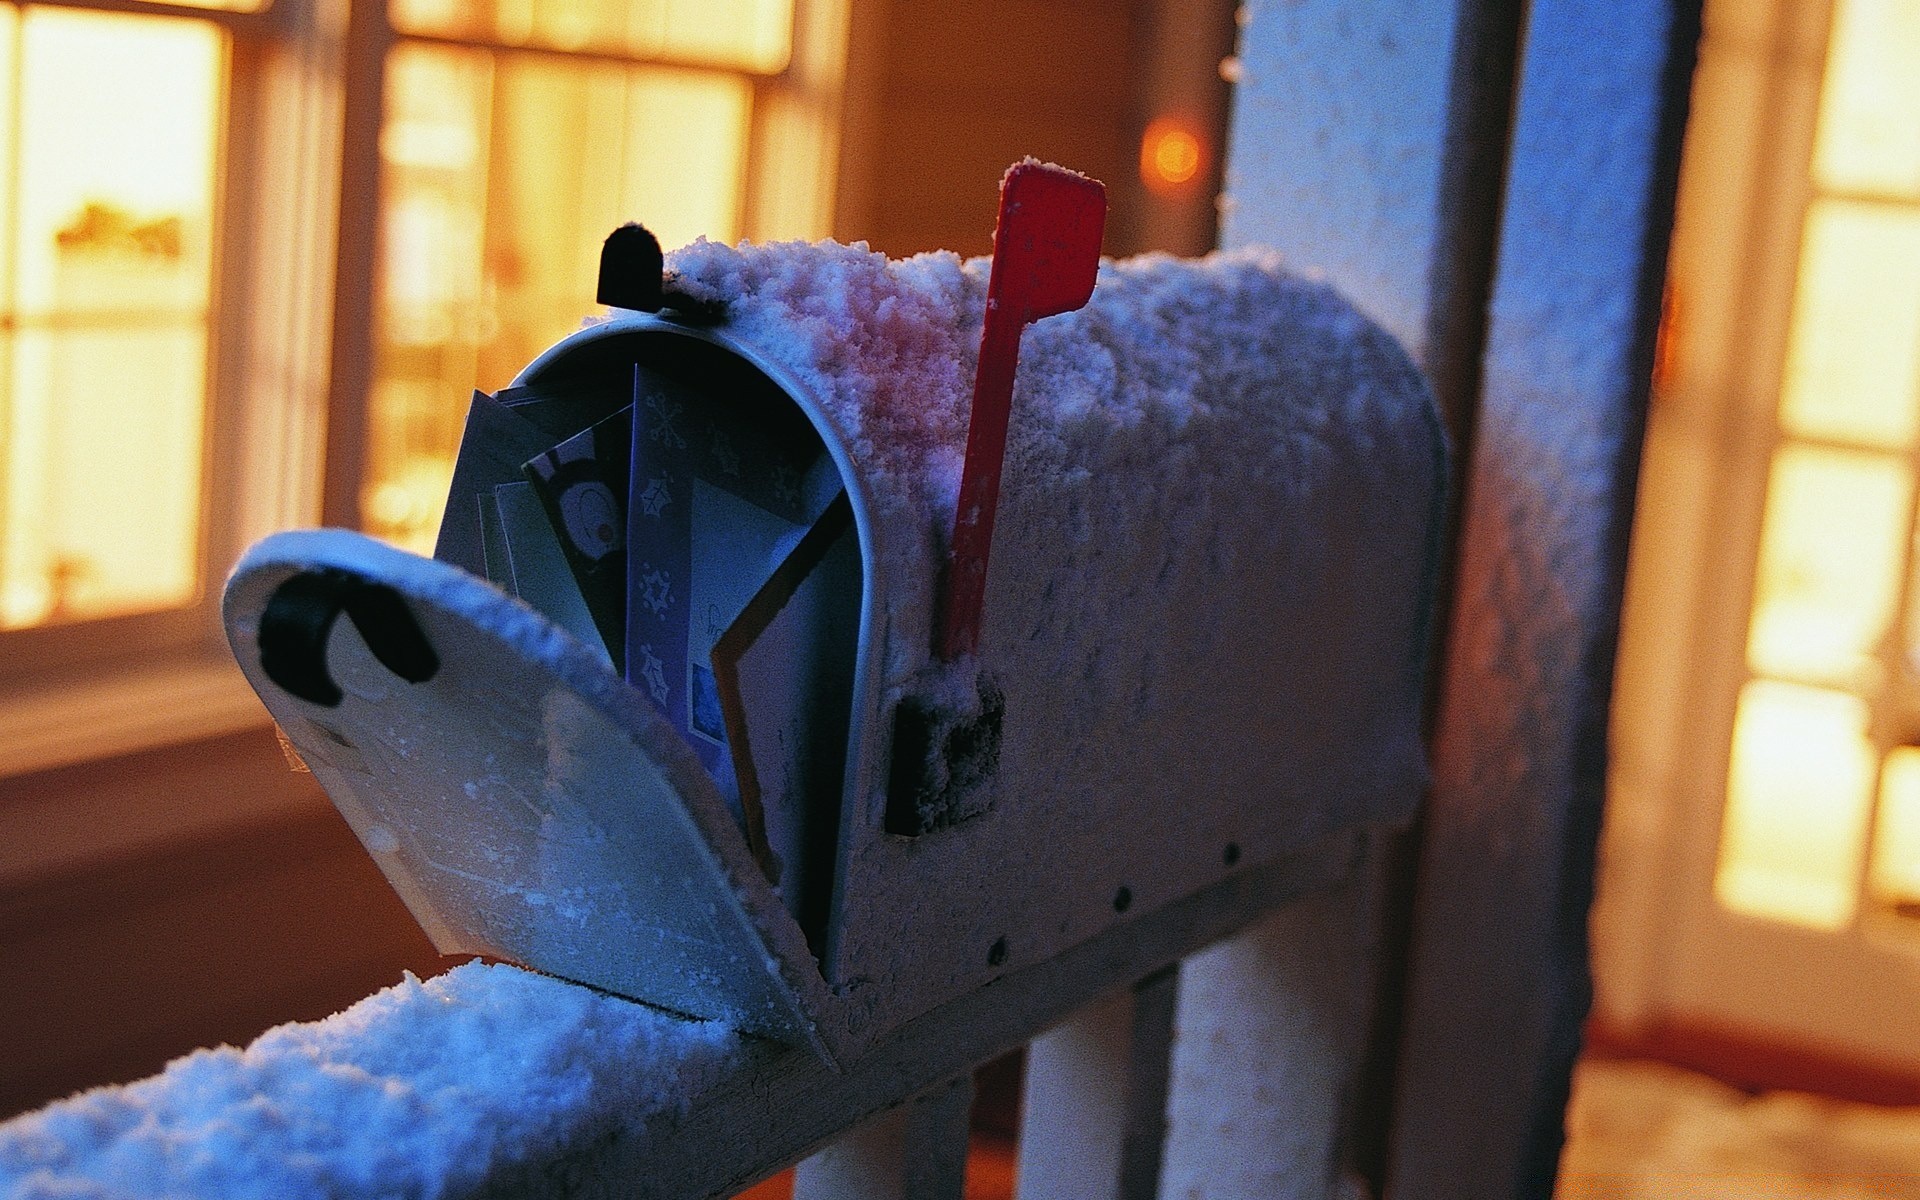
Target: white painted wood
(1073,1117)
(915,1151)
(1267,1041)
(1142,1151)
(778,1104)
(1094,1115)
(1367,143)
(868,1163)
(1361,125)
(1337,151)
(1498,983)
(937,1141)
(152,704)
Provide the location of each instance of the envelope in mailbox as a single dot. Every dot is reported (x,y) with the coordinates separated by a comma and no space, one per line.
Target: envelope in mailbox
(582,484)
(705,542)
(729,528)
(494,524)
(784,672)
(524,559)
(495,443)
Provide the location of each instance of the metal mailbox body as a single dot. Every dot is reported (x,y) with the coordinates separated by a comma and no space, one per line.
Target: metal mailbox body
(1205,628)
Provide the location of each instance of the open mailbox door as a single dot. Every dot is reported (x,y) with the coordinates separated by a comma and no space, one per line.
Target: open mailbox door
(524,803)
(670,835)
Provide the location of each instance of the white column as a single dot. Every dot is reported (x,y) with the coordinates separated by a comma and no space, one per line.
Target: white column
(1094,1114)
(914,1151)
(1267,1043)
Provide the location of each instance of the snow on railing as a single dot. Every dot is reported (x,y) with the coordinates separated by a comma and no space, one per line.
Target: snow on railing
(492,1080)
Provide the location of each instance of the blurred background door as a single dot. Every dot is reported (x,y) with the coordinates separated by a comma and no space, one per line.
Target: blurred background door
(1761,876)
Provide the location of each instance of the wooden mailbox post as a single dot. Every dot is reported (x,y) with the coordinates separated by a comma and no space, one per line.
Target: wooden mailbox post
(1506,213)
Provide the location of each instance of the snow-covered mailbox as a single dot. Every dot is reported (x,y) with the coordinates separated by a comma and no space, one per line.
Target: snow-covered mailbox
(682,713)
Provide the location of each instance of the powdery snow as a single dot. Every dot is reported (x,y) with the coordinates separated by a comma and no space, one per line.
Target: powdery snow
(1206,369)
(424,1089)
(1208,442)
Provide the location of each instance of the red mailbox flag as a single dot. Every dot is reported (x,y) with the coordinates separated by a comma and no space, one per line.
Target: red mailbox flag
(1046,252)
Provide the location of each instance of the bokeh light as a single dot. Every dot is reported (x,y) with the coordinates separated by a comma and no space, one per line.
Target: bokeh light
(1171,155)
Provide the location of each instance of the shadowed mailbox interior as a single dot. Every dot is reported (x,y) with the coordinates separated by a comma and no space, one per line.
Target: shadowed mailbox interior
(1200,647)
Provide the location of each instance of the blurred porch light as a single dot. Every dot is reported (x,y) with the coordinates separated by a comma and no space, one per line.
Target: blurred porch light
(1171,156)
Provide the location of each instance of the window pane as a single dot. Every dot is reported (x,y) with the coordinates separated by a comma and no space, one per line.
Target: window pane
(106,301)
(493,226)
(1896,841)
(1853,357)
(1830,553)
(1796,805)
(1869,138)
(117,527)
(753,35)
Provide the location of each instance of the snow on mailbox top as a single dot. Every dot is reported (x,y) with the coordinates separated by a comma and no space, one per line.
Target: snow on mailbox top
(1176,369)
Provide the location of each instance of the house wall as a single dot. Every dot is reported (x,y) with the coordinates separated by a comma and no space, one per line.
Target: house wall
(127,940)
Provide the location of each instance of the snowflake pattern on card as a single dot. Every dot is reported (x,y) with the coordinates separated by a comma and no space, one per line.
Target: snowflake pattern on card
(662,423)
(754,467)
(656,590)
(653,673)
(655,497)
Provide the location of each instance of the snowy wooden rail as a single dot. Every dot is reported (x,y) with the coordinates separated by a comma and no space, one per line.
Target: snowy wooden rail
(1390,1010)
(906,1101)
(495,1081)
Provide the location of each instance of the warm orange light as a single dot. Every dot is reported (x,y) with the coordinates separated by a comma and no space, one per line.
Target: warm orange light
(1170,155)
(493,229)
(1829,570)
(114,126)
(1868,140)
(1797,796)
(752,35)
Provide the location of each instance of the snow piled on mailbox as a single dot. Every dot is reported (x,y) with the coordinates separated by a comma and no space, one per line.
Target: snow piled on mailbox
(423,1089)
(1172,368)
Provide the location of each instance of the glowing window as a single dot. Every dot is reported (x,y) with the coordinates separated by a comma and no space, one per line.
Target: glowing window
(1869,135)
(1795,823)
(1830,557)
(1836,534)
(105,283)
(1895,881)
(752,35)
(492,229)
(1853,362)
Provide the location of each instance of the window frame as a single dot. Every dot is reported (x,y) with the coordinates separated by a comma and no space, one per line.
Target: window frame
(292,307)
(813,80)
(1714,972)
(98,687)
